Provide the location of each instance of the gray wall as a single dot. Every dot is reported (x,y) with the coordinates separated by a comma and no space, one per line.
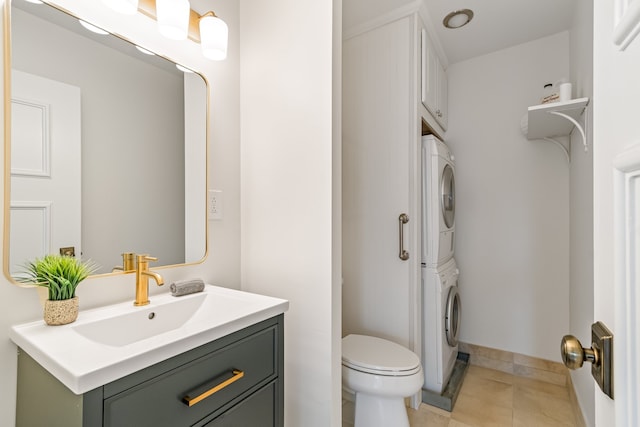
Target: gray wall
(132,174)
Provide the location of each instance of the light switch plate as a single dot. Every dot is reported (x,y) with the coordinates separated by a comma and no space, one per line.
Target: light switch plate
(214,204)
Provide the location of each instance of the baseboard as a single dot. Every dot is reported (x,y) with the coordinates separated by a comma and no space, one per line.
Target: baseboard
(577,411)
(516,364)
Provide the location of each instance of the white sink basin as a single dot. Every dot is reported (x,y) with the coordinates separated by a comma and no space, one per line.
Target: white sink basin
(110,342)
(141,323)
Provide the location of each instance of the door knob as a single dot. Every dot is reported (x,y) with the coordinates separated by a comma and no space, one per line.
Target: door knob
(600,354)
(574,355)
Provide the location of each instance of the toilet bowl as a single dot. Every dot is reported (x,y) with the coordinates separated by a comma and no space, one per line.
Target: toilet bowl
(381,374)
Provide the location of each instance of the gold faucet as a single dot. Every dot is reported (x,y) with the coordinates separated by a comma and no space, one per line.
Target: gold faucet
(142,279)
(128,263)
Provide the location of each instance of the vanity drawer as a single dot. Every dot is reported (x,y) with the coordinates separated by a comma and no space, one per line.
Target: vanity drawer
(256,410)
(159,401)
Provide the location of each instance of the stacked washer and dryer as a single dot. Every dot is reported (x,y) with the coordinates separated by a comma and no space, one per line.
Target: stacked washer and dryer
(440,297)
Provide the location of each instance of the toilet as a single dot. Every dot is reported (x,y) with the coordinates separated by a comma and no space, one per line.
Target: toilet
(381,374)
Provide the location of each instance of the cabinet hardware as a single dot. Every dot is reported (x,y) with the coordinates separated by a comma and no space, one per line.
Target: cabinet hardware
(190,401)
(402,219)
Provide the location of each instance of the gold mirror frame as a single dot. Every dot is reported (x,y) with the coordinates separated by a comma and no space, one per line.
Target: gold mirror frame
(7,59)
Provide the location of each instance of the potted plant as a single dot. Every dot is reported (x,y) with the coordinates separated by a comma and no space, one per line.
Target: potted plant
(61,275)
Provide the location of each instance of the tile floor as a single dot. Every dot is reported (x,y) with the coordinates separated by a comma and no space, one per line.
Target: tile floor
(494,398)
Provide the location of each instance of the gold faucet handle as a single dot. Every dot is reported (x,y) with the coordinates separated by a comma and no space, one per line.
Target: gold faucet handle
(144,258)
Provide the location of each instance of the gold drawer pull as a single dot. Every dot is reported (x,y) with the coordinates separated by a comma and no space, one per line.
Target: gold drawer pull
(190,401)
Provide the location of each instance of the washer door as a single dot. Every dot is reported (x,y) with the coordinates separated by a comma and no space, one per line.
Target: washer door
(452,316)
(448,194)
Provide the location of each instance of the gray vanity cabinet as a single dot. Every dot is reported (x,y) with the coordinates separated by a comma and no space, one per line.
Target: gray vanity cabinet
(245,370)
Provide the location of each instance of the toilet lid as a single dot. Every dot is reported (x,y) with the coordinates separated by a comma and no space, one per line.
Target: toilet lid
(377,355)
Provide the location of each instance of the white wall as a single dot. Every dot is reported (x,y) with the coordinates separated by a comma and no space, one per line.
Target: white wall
(289,241)
(18,305)
(512,210)
(581,204)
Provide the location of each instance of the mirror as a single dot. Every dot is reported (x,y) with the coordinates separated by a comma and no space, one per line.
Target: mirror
(108,146)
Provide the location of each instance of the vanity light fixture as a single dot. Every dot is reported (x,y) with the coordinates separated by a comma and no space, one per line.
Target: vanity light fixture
(458,18)
(173,18)
(92,28)
(177,21)
(213,36)
(127,7)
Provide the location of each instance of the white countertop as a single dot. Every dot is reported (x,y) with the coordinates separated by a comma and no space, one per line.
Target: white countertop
(83,364)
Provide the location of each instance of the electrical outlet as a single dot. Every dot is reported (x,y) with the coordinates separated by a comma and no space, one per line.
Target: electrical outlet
(214,204)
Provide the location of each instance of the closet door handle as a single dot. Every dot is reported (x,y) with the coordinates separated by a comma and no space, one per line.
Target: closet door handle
(190,401)
(402,220)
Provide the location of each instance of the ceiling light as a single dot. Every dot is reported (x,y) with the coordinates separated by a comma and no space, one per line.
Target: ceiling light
(33,1)
(173,18)
(92,28)
(213,37)
(127,7)
(458,18)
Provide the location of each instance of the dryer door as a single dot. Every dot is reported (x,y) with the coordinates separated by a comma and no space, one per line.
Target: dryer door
(452,316)
(447,192)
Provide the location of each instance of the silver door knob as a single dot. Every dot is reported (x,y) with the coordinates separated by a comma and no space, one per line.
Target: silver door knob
(574,355)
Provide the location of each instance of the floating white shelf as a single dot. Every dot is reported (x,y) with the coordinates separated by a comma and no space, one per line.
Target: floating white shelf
(556,119)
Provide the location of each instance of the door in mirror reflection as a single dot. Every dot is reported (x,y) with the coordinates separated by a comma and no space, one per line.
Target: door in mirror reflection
(45,168)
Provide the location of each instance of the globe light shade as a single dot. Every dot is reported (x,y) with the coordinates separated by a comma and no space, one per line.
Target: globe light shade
(173,18)
(213,37)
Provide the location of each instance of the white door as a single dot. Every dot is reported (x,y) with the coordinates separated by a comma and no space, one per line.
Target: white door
(380,163)
(45,168)
(616,145)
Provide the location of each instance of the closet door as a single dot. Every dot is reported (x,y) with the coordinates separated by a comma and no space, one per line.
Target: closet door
(379,143)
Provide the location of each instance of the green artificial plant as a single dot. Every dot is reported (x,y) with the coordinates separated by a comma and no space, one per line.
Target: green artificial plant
(60,274)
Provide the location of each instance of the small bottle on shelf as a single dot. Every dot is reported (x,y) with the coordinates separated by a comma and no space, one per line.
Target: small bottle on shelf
(549,94)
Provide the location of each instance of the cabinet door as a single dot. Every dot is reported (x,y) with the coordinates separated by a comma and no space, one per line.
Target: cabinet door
(434,82)
(442,114)
(430,64)
(380,135)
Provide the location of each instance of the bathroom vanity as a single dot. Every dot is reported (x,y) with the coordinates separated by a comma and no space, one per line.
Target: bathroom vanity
(235,379)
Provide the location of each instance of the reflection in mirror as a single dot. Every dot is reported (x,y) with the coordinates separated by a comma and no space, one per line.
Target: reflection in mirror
(108,146)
